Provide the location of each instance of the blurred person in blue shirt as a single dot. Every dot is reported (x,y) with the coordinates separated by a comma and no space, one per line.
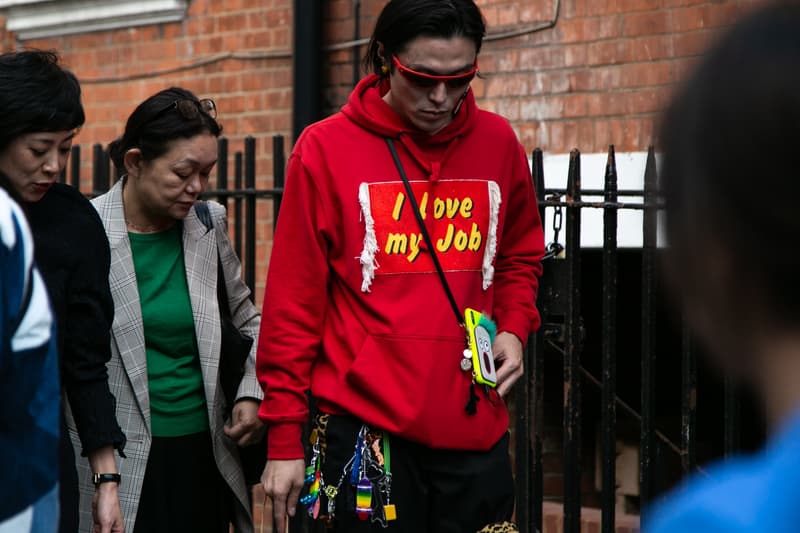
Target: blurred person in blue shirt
(732,186)
(29,384)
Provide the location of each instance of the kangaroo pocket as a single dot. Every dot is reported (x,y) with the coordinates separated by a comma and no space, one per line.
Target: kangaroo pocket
(393,374)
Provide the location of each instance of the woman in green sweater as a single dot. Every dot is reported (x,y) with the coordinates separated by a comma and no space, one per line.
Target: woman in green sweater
(182,471)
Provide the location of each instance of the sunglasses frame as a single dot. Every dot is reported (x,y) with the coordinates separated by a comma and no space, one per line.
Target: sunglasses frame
(426,81)
(189,108)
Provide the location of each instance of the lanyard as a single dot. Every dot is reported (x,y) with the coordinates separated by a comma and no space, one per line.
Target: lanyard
(424,230)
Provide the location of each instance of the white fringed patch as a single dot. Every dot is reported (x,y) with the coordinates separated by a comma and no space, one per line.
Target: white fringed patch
(495,199)
(367,259)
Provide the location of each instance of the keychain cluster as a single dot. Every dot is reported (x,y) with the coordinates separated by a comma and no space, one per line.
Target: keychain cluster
(366,477)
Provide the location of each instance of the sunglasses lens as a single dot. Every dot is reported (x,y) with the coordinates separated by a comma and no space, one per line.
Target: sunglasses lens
(426,81)
(420,81)
(208,107)
(187,108)
(460,82)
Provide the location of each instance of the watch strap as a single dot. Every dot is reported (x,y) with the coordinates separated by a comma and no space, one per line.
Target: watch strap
(97,479)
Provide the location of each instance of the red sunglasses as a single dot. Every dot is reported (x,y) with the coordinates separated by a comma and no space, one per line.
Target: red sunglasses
(423,80)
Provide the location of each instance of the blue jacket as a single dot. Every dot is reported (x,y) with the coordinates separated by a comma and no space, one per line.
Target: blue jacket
(747,494)
(29,382)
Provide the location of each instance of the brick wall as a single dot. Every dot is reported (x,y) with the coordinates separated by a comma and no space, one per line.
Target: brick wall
(599,76)
(236,52)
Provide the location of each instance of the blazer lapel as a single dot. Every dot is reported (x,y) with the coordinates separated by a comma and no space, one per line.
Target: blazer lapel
(128,327)
(200,255)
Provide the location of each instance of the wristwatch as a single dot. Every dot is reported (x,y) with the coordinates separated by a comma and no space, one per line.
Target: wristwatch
(97,479)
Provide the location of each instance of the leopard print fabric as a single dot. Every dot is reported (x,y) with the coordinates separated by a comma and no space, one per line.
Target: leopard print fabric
(500,527)
(320,427)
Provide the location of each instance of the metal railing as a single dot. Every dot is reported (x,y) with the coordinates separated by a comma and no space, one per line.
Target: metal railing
(561,339)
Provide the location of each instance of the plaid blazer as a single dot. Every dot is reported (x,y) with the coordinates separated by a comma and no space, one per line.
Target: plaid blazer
(127,370)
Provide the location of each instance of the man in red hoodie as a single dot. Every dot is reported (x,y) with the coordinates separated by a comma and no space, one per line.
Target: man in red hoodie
(409,174)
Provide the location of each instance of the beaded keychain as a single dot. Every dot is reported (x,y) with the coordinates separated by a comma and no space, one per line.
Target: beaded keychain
(369,473)
(358,477)
(314,481)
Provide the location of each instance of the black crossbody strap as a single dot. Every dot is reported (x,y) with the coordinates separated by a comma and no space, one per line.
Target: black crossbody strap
(424,230)
(202,212)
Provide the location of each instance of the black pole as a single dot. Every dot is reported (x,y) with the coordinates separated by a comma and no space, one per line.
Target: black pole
(238,183)
(75,167)
(99,176)
(649,229)
(609,417)
(524,405)
(572,361)
(222,171)
(250,214)
(536,343)
(278,176)
(306,106)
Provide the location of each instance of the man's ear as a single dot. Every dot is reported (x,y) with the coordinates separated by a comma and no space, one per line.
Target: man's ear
(381,54)
(133,161)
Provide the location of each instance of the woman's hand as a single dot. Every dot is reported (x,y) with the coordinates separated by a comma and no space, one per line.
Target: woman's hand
(106,512)
(245,427)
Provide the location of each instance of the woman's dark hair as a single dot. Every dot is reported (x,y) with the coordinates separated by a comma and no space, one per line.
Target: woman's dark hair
(154,124)
(730,175)
(37,94)
(401,21)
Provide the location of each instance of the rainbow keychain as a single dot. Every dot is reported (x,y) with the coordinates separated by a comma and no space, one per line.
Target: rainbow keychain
(364,499)
(314,481)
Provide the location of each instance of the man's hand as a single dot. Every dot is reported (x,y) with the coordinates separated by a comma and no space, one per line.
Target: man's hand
(246,427)
(106,513)
(507,350)
(283,481)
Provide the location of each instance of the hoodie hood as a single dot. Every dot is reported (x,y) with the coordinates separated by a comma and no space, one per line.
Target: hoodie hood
(367,108)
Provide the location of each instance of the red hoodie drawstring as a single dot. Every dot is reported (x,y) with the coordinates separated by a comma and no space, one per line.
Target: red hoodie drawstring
(436,168)
(433,168)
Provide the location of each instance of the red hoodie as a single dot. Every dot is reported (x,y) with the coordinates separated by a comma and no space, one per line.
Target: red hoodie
(354,309)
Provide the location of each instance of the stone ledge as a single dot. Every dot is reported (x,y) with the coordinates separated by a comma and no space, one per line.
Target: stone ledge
(35,19)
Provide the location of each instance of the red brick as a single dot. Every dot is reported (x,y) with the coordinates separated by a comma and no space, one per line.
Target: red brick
(588,29)
(646,74)
(647,23)
(691,43)
(536,11)
(651,48)
(507,15)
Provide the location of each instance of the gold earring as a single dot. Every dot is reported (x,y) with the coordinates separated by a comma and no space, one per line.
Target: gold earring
(384,69)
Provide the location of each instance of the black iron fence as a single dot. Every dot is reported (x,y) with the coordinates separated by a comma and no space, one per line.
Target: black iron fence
(597,323)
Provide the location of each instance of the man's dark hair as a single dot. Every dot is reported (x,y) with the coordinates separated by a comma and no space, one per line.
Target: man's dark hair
(401,21)
(36,94)
(730,174)
(153,126)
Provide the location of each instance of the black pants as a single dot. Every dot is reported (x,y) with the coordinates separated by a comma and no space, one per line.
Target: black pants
(183,490)
(434,491)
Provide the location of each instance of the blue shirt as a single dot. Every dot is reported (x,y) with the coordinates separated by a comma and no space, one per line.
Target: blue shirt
(29,383)
(746,494)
